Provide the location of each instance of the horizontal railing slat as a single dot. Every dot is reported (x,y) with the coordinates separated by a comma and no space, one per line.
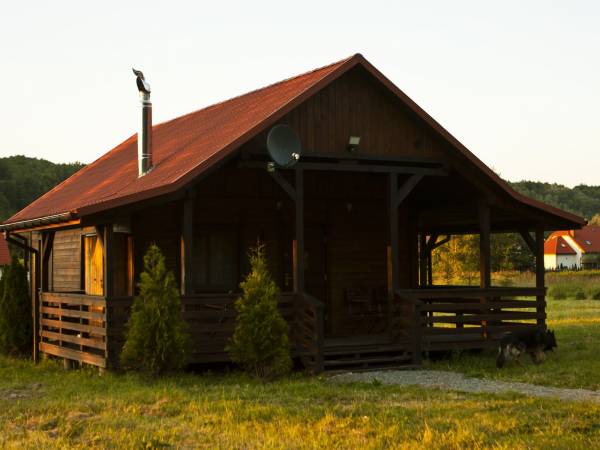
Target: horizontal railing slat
(96,343)
(90,315)
(73,326)
(76,355)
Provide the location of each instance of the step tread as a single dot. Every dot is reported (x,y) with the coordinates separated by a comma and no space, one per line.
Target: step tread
(366,350)
(361,361)
(372,369)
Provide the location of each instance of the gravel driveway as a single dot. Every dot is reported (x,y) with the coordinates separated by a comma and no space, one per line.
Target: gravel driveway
(457,382)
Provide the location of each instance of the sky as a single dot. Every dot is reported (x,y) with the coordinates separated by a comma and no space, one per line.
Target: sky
(517,82)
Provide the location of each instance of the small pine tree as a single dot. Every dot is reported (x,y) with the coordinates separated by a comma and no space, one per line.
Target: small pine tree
(15,311)
(157,339)
(260,340)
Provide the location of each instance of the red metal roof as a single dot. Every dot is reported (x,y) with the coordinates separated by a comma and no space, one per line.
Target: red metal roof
(4,253)
(556,245)
(186,146)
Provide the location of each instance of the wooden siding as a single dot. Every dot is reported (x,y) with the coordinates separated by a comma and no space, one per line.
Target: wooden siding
(357,105)
(66,261)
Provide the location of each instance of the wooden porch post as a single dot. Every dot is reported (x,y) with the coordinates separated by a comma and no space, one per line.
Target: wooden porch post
(298,244)
(393,256)
(423,263)
(187,246)
(540,275)
(485,259)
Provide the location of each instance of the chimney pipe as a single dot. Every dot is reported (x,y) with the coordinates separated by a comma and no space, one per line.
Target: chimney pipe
(145,132)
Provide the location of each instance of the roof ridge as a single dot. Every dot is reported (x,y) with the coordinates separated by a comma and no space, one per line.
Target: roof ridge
(276,83)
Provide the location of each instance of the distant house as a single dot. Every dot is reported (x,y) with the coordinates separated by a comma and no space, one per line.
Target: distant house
(4,255)
(573,249)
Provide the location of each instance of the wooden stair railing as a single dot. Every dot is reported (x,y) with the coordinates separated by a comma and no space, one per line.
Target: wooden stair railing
(309,332)
(406,320)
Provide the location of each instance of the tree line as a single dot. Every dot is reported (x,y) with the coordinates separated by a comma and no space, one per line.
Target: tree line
(23,179)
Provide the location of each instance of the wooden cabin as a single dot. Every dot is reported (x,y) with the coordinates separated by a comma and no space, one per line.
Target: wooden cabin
(349,230)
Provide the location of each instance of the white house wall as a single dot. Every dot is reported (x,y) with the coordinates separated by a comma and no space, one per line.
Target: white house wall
(579,253)
(568,261)
(550,262)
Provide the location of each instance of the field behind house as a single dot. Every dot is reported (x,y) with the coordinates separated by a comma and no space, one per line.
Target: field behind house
(45,407)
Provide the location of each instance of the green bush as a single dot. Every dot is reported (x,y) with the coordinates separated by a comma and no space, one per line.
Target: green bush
(260,340)
(15,311)
(594,293)
(157,339)
(558,292)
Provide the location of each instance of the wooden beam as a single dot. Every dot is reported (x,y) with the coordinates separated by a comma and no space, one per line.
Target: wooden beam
(531,243)
(354,167)
(540,273)
(187,246)
(439,243)
(108,266)
(285,185)
(407,188)
(298,244)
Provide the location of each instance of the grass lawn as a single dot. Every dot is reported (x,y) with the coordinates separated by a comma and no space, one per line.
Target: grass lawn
(43,406)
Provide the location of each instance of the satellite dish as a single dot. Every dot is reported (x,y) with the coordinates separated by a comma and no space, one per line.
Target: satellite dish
(283,145)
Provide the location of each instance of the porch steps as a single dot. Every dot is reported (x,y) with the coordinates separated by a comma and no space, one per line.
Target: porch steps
(367,357)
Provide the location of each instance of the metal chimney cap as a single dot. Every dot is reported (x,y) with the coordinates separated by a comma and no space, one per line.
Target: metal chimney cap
(142,84)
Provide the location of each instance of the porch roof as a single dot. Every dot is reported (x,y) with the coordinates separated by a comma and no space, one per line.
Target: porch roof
(187,146)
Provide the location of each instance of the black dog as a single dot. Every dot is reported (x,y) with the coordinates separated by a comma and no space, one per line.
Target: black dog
(533,342)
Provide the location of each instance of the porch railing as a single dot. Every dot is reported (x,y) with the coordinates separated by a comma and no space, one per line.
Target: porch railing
(211,322)
(453,318)
(73,326)
(308,335)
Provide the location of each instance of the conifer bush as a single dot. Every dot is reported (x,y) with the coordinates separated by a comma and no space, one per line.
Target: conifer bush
(260,341)
(157,339)
(15,311)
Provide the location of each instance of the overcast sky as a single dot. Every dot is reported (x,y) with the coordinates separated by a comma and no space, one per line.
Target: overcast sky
(518,82)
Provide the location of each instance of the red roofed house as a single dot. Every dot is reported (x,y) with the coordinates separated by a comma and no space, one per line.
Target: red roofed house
(573,249)
(4,255)
(349,228)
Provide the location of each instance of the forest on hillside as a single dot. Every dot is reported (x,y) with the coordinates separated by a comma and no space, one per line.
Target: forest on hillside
(582,200)
(24,179)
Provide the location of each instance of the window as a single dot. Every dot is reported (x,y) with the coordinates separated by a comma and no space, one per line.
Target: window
(215,260)
(93,265)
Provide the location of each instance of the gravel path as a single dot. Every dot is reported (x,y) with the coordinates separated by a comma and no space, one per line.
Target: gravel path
(458,382)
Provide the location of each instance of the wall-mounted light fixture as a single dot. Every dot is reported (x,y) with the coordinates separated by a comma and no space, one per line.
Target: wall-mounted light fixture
(353,143)
(271,167)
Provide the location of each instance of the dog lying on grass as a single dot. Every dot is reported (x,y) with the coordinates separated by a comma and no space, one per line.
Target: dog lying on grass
(533,342)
